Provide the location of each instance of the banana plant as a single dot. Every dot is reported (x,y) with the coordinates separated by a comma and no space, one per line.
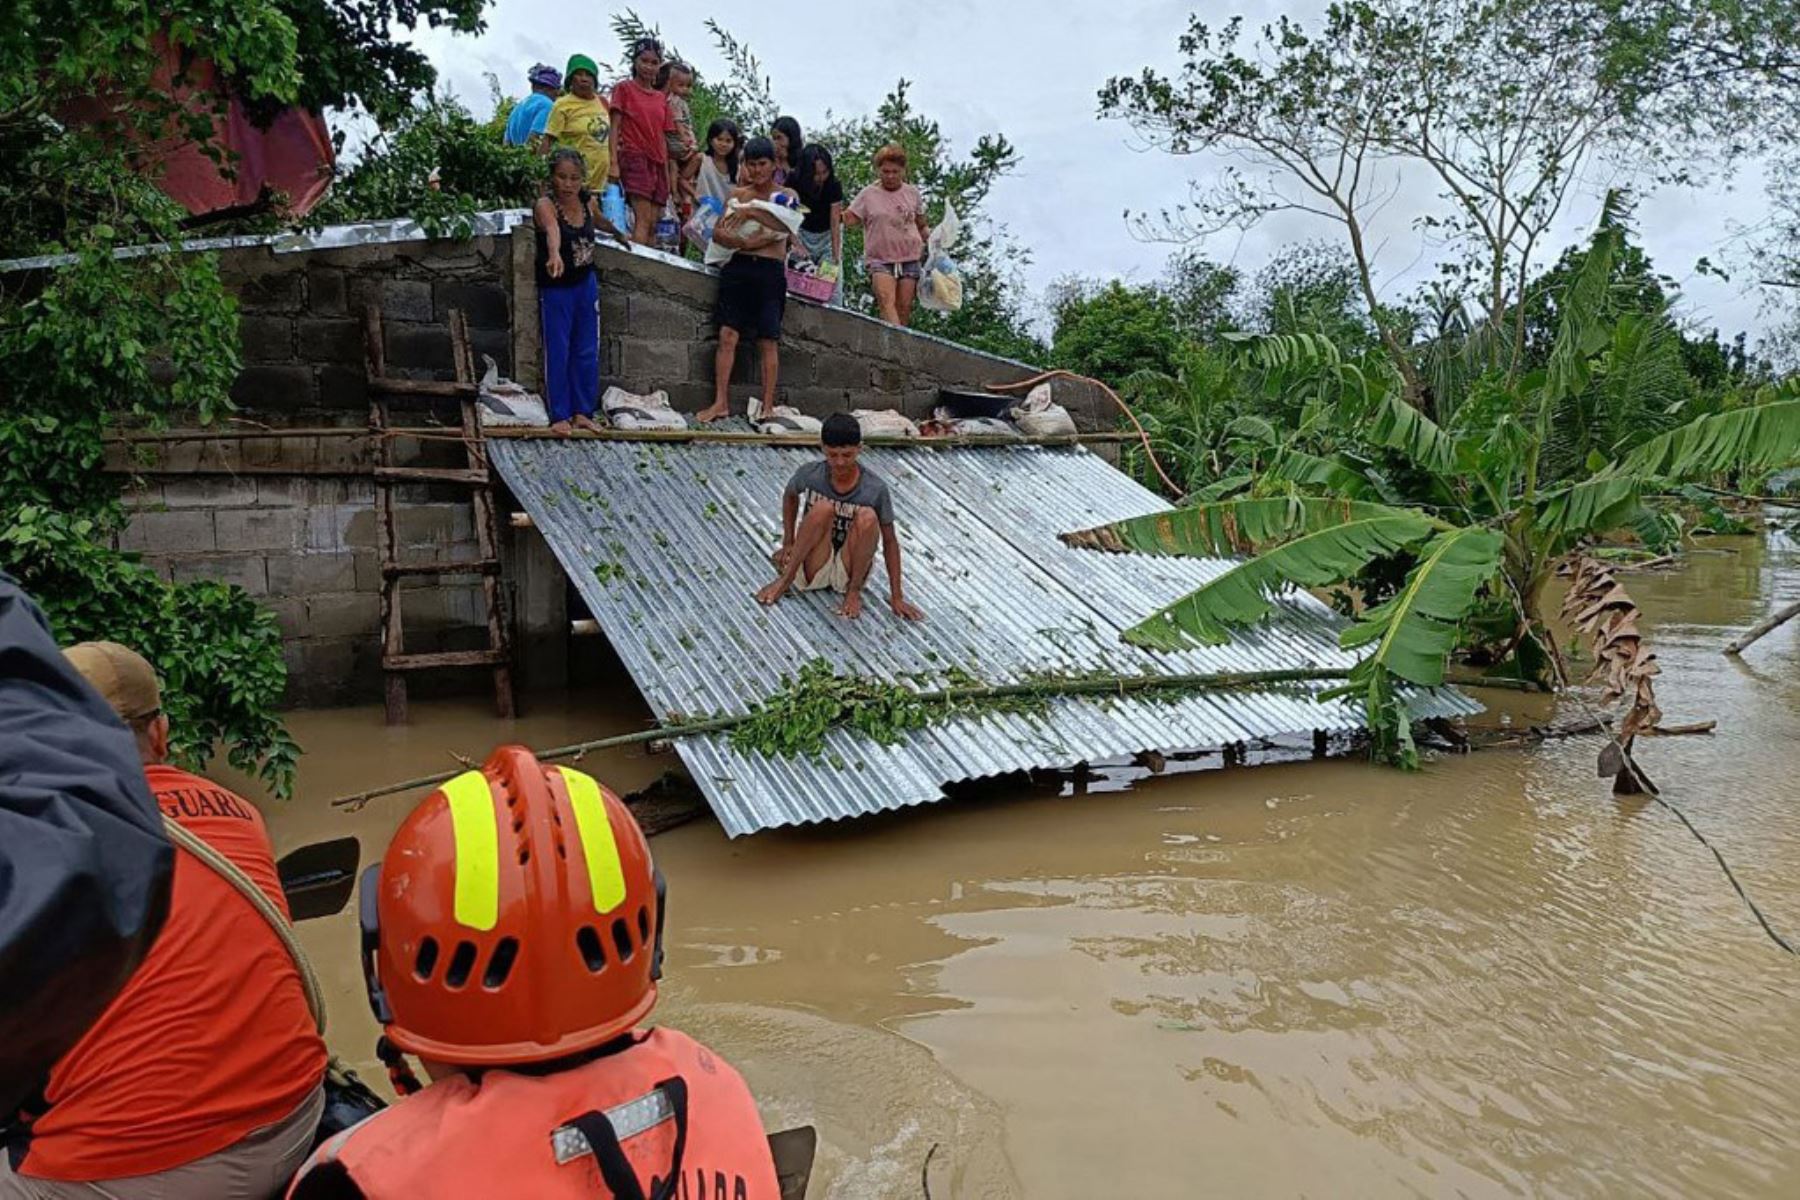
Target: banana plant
(1492,532)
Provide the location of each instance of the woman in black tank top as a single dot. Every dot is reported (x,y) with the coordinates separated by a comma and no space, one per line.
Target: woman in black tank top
(568,220)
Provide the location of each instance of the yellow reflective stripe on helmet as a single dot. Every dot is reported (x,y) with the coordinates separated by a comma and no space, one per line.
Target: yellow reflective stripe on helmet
(606,874)
(476,830)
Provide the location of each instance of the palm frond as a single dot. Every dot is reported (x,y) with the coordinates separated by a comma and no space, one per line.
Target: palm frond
(1416,629)
(1222,527)
(1287,351)
(1218,489)
(1759,438)
(1244,594)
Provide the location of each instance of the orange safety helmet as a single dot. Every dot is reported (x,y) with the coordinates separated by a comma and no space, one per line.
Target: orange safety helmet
(516,917)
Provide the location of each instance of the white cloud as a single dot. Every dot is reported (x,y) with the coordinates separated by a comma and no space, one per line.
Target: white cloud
(1032,72)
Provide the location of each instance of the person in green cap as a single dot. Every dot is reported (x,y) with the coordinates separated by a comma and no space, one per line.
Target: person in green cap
(581,121)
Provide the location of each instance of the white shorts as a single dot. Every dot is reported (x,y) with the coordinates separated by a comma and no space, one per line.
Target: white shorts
(835,574)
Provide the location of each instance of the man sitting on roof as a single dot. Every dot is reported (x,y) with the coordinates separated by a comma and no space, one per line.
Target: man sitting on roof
(830,514)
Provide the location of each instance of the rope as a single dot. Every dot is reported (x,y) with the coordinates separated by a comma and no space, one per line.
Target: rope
(1650,790)
(1732,876)
(1143,435)
(232,874)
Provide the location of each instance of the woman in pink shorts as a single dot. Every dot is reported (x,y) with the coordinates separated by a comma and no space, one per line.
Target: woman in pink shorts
(892,215)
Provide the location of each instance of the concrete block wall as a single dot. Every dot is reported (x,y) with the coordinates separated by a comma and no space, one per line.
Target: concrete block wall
(301,320)
(657,331)
(305,546)
(291,518)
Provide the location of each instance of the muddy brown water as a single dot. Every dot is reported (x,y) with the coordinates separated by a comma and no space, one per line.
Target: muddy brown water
(1488,978)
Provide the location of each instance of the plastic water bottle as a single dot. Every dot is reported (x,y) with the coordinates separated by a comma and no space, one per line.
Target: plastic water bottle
(612,204)
(668,231)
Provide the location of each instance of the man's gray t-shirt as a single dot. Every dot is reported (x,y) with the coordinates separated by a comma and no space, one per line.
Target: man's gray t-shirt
(813,482)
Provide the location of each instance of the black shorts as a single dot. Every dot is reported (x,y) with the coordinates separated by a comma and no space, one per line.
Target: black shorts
(753,295)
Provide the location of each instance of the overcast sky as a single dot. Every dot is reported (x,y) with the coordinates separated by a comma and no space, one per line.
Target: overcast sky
(1032,72)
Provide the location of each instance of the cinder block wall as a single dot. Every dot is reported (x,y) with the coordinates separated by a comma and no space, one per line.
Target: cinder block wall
(291,518)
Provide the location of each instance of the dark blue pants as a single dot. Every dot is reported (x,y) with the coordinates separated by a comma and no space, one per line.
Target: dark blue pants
(571,348)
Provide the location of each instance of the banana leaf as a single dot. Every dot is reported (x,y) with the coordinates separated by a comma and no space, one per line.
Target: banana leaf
(1759,438)
(1414,631)
(1400,426)
(1236,526)
(1245,594)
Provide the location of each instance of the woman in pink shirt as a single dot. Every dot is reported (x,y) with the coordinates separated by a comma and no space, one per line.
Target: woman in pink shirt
(892,215)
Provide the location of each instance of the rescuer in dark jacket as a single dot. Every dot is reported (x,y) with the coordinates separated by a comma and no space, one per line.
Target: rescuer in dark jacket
(84,865)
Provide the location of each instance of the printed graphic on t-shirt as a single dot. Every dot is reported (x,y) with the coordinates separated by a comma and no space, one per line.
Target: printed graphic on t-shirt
(843,513)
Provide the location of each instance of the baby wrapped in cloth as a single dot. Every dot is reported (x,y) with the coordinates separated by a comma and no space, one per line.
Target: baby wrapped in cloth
(779,215)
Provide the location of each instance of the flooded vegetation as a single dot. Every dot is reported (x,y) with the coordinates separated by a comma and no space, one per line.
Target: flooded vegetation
(1488,977)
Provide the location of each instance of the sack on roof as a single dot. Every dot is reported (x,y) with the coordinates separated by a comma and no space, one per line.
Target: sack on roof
(884,422)
(945,423)
(1041,417)
(780,419)
(624,410)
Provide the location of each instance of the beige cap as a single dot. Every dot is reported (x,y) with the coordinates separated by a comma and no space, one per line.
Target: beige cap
(120,674)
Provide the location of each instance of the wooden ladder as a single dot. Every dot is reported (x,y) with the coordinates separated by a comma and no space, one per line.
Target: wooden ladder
(396,663)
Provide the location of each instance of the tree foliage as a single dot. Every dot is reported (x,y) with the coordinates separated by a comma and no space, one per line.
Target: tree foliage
(1459,524)
(144,338)
(1499,105)
(476,171)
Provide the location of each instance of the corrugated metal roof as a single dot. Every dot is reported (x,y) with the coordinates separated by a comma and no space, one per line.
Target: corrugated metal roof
(684,531)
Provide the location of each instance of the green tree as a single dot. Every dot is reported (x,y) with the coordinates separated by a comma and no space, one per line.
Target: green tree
(348,54)
(1502,104)
(1202,293)
(477,171)
(1482,507)
(143,338)
(1111,330)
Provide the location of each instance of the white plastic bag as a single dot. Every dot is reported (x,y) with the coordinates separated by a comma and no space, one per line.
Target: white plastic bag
(1041,417)
(940,288)
(624,410)
(780,419)
(699,227)
(884,422)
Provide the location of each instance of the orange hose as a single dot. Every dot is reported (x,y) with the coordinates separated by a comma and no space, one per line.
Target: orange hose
(1143,435)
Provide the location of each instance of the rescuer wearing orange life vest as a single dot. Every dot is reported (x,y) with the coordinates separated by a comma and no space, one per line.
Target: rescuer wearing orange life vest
(512,939)
(202,1079)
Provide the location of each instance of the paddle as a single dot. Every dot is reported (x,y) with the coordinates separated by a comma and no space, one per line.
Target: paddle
(793,1150)
(319,878)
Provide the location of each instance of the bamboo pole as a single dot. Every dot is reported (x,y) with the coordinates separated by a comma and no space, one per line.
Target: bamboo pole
(1116,685)
(534,433)
(155,437)
(732,437)
(1758,631)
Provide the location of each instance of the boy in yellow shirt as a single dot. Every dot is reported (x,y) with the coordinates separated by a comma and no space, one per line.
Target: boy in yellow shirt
(581,121)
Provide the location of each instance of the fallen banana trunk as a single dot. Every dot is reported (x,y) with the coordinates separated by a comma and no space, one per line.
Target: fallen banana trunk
(1502,737)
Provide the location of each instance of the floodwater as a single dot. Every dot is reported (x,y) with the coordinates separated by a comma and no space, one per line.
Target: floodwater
(1488,978)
